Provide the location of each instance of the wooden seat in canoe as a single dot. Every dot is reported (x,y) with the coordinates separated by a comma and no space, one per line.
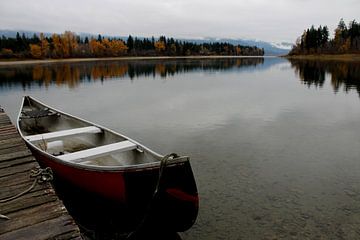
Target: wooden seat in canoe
(85,155)
(63,133)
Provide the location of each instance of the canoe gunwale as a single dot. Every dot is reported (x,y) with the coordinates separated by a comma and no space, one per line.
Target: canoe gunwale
(137,167)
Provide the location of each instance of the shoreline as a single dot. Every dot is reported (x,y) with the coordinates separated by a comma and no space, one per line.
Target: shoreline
(70,60)
(329,57)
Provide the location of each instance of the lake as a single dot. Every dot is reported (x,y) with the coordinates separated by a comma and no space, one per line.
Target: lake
(274,144)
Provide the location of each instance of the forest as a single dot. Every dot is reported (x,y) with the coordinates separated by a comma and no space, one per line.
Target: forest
(346,40)
(70,45)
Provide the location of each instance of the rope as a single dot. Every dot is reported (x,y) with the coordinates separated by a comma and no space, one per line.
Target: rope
(163,163)
(41,176)
(161,170)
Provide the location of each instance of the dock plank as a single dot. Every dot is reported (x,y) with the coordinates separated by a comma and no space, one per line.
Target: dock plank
(51,229)
(22,168)
(29,200)
(16,162)
(38,214)
(14,155)
(11,144)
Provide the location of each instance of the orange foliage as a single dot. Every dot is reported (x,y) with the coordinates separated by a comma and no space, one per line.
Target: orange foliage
(118,47)
(69,43)
(57,52)
(96,47)
(44,44)
(35,50)
(159,46)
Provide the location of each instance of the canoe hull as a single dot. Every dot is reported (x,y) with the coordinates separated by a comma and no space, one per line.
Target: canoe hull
(177,202)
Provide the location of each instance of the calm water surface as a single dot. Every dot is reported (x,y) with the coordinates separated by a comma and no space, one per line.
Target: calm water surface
(274,144)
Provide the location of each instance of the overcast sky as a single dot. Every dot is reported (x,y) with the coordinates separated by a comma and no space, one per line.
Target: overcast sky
(268,20)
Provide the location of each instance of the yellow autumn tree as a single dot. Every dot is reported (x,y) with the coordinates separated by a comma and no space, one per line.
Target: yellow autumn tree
(159,46)
(35,50)
(97,48)
(44,44)
(93,46)
(69,44)
(118,47)
(107,45)
(57,46)
(113,47)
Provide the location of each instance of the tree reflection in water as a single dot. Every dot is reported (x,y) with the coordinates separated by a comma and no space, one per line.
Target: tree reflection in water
(73,74)
(344,75)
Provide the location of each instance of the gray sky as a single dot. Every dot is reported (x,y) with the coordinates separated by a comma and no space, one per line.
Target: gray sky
(275,20)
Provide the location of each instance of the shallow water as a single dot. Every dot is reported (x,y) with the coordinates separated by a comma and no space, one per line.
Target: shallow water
(274,144)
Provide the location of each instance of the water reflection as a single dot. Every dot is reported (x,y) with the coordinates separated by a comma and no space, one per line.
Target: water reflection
(271,160)
(72,74)
(344,75)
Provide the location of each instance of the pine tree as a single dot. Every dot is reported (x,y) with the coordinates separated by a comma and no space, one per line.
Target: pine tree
(130,43)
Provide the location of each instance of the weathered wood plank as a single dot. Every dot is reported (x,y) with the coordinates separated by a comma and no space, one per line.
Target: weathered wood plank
(7,136)
(13,155)
(5,119)
(38,214)
(13,149)
(16,162)
(7,128)
(16,179)
(11,140)
(15,143)
(50,229)
(30,216)
(22,168)
(8,132)
(22,185)
(31,199)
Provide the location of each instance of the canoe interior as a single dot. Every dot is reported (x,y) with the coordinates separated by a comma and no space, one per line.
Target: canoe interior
(54,121)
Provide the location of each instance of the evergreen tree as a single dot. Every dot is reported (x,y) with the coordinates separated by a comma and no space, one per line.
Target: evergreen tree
(130,43)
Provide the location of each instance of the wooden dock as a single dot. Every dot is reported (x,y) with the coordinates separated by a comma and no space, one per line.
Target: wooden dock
(38,214)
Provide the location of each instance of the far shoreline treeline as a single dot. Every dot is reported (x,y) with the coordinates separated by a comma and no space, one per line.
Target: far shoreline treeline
(70,45)
(316,41)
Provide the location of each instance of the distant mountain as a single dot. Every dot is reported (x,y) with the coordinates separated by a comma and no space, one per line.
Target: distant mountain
(272,49)
(12,33)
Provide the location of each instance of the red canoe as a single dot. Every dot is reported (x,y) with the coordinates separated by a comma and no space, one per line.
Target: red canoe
(109,164)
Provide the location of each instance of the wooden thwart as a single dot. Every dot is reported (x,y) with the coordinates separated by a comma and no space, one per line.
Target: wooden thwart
(63,133)
(87,154)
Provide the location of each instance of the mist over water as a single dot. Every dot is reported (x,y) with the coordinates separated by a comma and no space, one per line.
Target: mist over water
(274,145)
